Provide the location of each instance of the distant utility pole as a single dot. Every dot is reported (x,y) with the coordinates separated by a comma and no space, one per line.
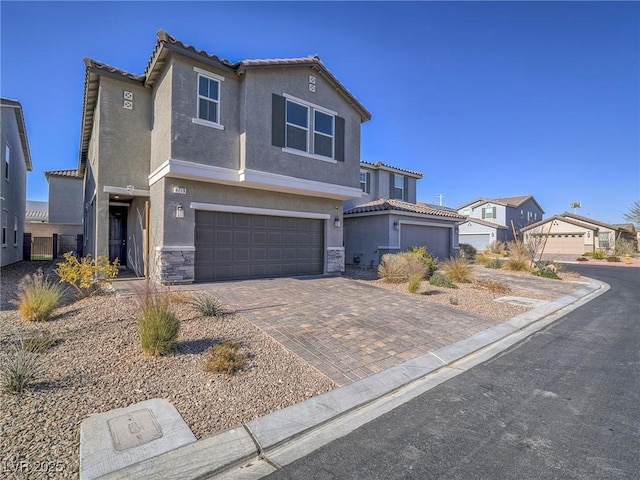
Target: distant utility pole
(575,206)
(440,197)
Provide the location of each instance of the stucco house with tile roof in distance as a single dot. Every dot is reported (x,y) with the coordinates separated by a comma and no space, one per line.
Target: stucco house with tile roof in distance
(494,219)
(388,219)
(244,165)
(569,233)
(16,162)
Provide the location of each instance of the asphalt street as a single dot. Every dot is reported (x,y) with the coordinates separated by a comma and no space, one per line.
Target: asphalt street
(561,404)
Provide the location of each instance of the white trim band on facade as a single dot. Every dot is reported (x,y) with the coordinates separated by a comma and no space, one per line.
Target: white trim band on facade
(136,192)
(185,248)
(251,179)
(207,73)
(214,207)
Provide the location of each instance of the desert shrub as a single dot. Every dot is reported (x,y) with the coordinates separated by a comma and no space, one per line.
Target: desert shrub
(19,369)
(414,283)
(582,259)
(38,297)
(483,258)
(40,342)
(613,258)
(600,254)
(180,297)
(207,305)
(158,326)
(546,270)
(225,358)
(397,267)
(624,246)
(519,249)
(429,261)
(468,252)
(458,270)
(494,263)
(497,247)
(86,274)
(493,286)
(518,262)
(439,279)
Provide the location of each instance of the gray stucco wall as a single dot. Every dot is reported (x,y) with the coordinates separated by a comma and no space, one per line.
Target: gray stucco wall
(160,149)
(65,199)
(363,236)
(520,217)
(13,190)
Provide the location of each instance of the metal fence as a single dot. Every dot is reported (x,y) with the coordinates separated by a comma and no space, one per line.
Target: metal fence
(50,248)
(66,243)
(41,248)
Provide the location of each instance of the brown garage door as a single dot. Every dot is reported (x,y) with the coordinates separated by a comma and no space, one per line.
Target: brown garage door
(234,246)
(570,243)
(436,239)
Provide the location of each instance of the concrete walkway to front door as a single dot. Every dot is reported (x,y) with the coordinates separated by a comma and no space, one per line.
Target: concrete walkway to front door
(345,328)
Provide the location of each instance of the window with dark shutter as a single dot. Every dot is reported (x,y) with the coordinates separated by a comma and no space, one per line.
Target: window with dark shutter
(278,106)
(339,152)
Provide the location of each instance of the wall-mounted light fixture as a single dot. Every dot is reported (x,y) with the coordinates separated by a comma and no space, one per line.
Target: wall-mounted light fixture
(179,211)
(336,222)
(396,225)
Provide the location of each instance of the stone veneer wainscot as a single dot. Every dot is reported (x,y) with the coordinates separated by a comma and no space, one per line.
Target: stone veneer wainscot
(175,265)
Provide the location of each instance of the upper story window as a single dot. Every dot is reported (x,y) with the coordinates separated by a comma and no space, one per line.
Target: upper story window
(7,155)
(307,129)
(489,212)
(4,228)
(208,94)
(466,211)
(365,181)
(398,190)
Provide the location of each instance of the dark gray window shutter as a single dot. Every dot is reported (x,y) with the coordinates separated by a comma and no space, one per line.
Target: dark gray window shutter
(484,213)
(494,212)
(278,106)
(392,186)
(405,190)
(368,177)
(339,139)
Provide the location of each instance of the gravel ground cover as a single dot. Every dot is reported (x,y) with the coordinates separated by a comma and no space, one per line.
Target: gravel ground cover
(98,365)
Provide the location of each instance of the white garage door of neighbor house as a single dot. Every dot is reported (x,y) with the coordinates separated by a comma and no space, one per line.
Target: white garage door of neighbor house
(568,244)
(437,240)
(234,246)
(479,241)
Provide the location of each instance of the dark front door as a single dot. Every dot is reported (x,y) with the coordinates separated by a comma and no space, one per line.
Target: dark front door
(118,234)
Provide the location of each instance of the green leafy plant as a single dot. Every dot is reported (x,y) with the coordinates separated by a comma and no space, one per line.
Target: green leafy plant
(225,358)
(546,270)
(38,297)
(414,282)
(494,263)
(19,369)
(468,252)
(458,270)
(207,305)
(429,260)
(158,326)
(86,274)
(600,254)
(439,279)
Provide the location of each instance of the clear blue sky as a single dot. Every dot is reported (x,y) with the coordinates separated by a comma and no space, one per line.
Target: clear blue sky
(486,99)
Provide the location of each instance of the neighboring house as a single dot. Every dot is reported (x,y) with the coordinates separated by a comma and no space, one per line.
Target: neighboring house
(16,162)
(244,165)
(494,219)
(63,212)
(568,233)
(387,218)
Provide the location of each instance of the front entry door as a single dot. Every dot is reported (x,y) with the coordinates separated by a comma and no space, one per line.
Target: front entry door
(118,234)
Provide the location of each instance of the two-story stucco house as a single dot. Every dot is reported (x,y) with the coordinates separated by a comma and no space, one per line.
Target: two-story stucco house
(244,165)
(495,219)
(16,162)
(388,219)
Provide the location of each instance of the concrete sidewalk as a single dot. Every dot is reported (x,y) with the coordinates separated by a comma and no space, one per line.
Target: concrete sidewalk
(259,447)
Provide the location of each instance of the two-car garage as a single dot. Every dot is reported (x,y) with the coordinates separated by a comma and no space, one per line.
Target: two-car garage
(236,246)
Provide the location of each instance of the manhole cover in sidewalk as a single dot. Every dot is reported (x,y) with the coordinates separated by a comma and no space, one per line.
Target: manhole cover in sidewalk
(521,301)
(133,429)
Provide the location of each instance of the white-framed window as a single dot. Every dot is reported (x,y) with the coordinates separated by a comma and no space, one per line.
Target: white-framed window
(310,128)
(529,216)
(365,181)
(603,240)
(15,230)
(208,95)
(7,156)
(466,211)
(489,212)
(5,216)
(398,186)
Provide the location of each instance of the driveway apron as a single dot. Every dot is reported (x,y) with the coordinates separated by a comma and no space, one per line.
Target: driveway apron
(345,328)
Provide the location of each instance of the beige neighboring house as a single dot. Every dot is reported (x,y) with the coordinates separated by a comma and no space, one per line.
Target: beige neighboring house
(568,233)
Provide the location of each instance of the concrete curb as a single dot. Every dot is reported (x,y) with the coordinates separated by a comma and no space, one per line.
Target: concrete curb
(262,445)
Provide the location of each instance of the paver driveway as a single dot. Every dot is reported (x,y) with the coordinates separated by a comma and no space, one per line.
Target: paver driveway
(345,328)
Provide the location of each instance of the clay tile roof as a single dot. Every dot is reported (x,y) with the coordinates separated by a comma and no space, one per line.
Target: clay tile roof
(384,166)
(94,64)
(506,201)
(398,205)
(486,223)
(62,173)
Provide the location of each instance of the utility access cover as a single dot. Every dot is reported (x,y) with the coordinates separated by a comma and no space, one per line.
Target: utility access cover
(134,429)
